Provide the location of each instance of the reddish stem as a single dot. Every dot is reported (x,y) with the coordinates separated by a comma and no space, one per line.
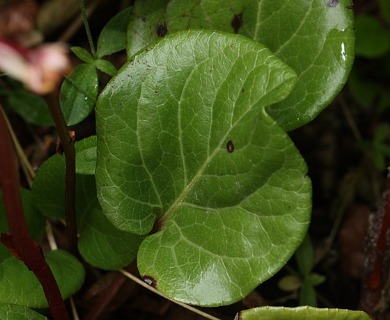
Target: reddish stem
(19,239)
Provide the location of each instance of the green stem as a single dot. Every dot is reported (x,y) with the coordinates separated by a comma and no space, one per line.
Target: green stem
(87,29)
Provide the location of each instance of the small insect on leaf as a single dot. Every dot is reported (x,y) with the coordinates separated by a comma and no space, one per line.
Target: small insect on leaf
(230,146)
(150,281)
(162,30)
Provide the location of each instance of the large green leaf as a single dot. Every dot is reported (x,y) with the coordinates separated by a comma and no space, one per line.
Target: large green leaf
(313,37)
(18,285)
(15,312)
(300,313)
(185,145)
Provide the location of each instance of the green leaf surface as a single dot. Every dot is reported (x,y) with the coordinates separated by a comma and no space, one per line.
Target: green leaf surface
(115,30)
(78,93)
(307,295)
(105,66)
(183,137)
(314,37)
(34,220)
(83,54)
(50,180)
(30,107)
(18,285)
(15,312)
(300,313)
(147,17)
(305,256)
(100,243)
(385,9)
(86,155)
(372,40)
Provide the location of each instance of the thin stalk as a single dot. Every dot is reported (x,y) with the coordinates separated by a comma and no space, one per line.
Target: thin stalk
(186,306)
(87,29)
(26,166)
(19,241)
(70,174)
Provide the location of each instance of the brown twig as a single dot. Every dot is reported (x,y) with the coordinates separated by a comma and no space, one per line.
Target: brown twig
(18,240)
(67,142)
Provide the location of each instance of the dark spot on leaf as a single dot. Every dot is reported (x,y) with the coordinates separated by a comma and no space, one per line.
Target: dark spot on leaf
(150,281)
(230,146)
(242,90)
(333,3)
(162,30)
(236,22)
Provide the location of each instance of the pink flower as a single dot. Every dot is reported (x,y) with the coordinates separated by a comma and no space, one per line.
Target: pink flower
(40,68)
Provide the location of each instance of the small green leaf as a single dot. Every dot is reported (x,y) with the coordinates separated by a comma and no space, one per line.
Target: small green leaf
(105,66)
(113,36)
(50,180)
(300,313)
(185,145)
(315,279)
(372,40)
(15,312)
(290,283)
(304,256)
(18,285)
(30,107)
(83,54)
(307,295)
(86,155)
(78,93)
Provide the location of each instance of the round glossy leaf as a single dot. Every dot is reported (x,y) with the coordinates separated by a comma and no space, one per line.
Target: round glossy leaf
(300,313)
(185,145)
(313,37)
(78,93)
(18,285)
(15,312)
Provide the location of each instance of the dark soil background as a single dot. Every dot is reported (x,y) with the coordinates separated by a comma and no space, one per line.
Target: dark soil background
(347,191)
